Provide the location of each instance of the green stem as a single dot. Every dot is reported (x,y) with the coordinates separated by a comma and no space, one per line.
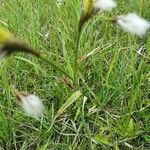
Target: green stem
(14,45)
(76,57)
(104,18)
(56,67)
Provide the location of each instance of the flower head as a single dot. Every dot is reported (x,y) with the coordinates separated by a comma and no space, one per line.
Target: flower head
(10,44)
(104,5)
(4,35)
(91,7)
(31,104)
(87,7)
(86,13)
(60,2)
(133,23)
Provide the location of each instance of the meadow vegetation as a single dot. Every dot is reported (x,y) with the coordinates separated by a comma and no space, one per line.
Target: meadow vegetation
(113,111)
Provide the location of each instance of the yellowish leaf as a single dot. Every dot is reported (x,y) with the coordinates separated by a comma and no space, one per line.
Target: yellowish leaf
(70,100)
(101,139)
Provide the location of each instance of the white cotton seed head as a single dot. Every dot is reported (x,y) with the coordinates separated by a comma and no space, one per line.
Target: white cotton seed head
(104,5)
(32,105)
(59,2)
(133,24)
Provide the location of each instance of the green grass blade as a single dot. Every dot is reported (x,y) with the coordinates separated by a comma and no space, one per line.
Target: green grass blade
(70,101)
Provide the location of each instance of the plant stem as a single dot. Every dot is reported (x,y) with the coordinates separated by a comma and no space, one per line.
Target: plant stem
(56,67)
(104,18)
(76,57)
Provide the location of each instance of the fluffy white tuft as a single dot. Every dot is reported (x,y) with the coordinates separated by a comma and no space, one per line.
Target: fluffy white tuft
(32,105)
(60,2)
(133,24)
(105,5)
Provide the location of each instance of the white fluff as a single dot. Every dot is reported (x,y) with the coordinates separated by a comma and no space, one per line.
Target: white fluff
(60,2)
(104,5)
(133,24)
(32,105)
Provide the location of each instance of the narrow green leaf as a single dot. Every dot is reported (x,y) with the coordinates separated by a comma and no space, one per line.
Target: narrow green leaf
(30,62)
(130,127)
(70,100)
(101,139)
(148,45)
(116,147)
(145,113)
(147,138)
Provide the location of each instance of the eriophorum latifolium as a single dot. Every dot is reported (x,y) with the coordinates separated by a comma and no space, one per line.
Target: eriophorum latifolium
(30,103)
(10,44)
(101,102)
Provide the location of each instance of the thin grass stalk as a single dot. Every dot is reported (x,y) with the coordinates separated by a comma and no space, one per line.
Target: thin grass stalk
(76,57)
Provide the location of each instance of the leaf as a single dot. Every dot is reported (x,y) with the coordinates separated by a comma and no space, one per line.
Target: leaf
(101,139)
(77,113)
(148,45)
(116,147)
(70,100)
(145,113)
(130,127)
(147,138)
(30,62)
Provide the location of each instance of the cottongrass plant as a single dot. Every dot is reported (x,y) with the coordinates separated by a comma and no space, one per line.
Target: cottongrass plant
(99,130)
(31,104)
(104,5)
(9,44)
(133,24)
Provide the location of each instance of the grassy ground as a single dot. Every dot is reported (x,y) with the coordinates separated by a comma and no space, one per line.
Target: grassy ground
(112,113)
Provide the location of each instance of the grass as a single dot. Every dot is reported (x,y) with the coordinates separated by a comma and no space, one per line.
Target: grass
(114,109)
